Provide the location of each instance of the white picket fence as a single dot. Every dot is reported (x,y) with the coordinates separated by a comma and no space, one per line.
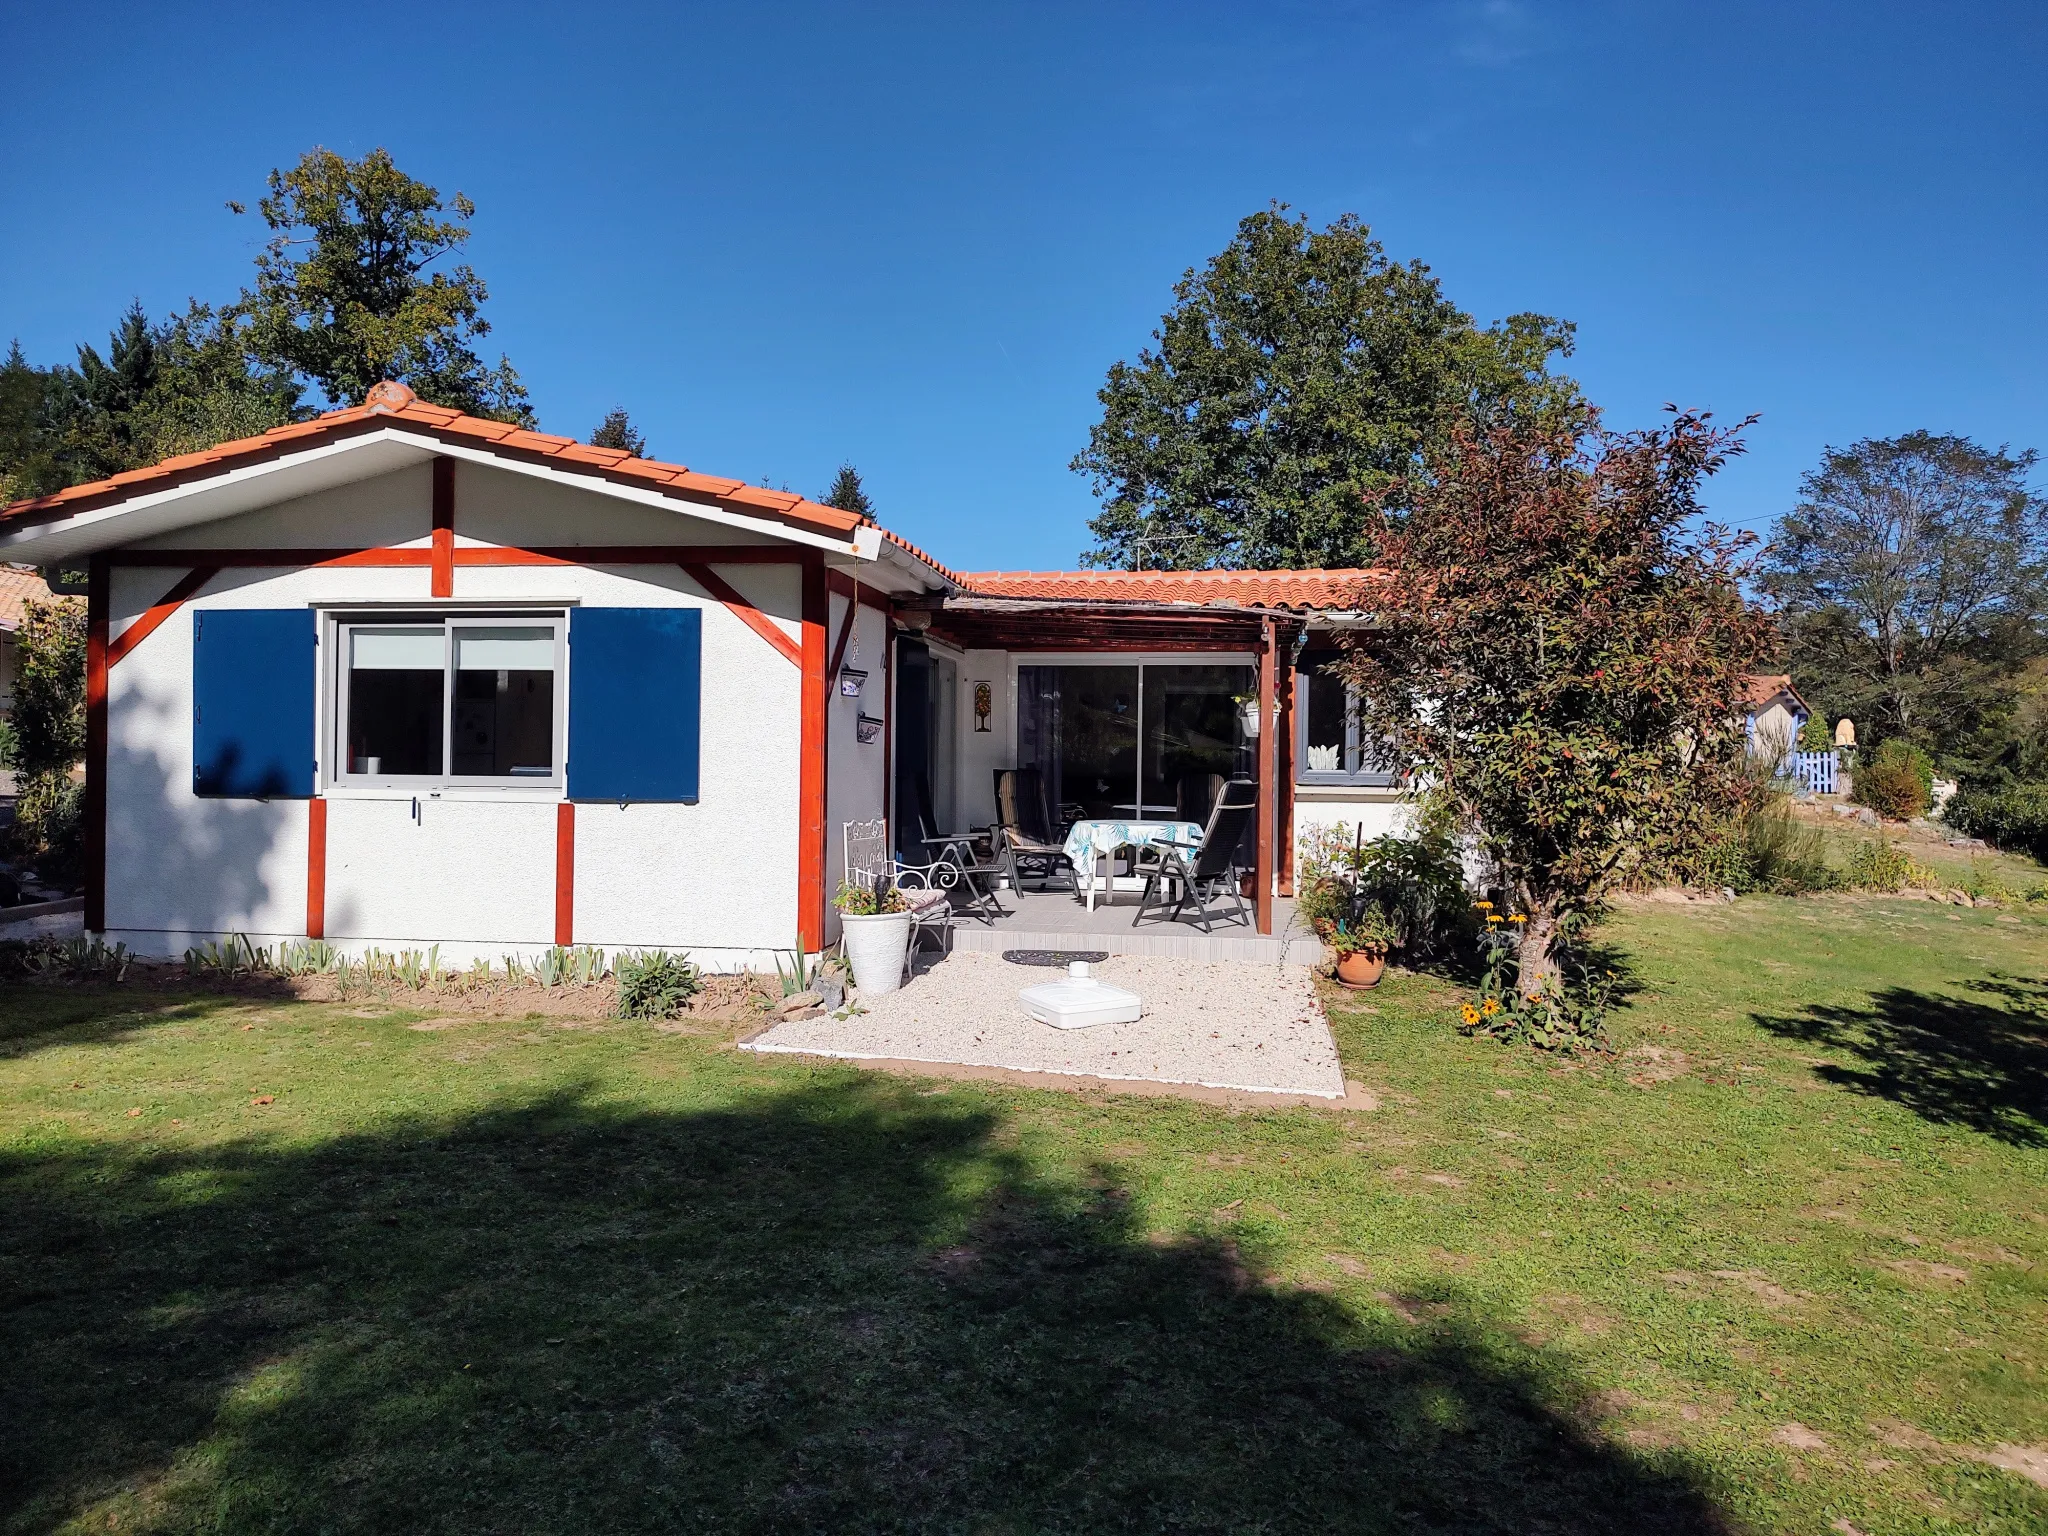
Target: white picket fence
(1815,771)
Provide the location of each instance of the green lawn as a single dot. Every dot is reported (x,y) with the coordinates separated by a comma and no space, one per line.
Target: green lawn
(1782,1266)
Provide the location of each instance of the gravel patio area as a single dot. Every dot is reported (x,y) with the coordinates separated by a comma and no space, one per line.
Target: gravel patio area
(1249,1027)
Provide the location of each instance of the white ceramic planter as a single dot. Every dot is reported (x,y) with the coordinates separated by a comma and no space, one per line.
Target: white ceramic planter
(875,947)
(1248,719)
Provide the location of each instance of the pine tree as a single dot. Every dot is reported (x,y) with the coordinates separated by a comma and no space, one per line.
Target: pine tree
(616,431)
(847,495)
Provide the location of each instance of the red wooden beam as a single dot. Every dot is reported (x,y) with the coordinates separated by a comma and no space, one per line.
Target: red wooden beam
(748,614)
(839,645)
(565,873)
(443,580)
(1268,779)
(810,859)
(474,554)
(147,624)
(846,586)
(316,868)
(1291,705)
(99,598)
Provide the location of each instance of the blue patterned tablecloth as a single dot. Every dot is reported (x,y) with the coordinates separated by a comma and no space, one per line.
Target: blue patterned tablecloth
(1089,840)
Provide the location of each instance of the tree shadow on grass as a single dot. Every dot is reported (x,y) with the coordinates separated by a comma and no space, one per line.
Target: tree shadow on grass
(847,1308)
(40,1016)
(1980,1062)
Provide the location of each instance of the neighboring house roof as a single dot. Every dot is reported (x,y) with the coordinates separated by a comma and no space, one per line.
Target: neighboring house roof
(388,403)
(18,587)
(1338,589)
(1759,688)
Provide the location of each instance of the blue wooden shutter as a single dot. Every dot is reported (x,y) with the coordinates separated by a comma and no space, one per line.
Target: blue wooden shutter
(252,703)
(635,691)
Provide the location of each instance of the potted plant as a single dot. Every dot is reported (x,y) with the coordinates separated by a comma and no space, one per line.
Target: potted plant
(1360,942)
(874,927)
(1247,714)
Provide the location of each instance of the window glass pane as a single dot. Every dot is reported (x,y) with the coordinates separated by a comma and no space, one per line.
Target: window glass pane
(394,701)
(1078,726)
(504,708)
(395,650)
(1325,724)
(523,649)
(1194,737)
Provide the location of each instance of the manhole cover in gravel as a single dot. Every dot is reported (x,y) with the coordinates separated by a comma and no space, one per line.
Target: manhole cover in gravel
(1054,956)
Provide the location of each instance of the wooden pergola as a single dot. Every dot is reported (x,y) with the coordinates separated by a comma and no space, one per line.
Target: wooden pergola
(970,622)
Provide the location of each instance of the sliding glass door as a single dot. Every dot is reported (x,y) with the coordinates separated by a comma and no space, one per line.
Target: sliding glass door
(1078,726)
(1124,741)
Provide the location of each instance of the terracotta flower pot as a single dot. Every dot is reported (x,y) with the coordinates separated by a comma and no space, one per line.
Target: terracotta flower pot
(1361,968)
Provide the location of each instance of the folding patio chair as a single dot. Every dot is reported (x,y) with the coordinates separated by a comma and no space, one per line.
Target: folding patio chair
(1202,873)
(1021,822)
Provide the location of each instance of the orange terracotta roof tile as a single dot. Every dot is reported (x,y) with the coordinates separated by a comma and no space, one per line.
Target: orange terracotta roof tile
(1762,687)
(391,404)
(1317,589)
(20,586)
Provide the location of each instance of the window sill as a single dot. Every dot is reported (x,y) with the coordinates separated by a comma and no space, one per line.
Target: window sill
(538,794)
(1340,788)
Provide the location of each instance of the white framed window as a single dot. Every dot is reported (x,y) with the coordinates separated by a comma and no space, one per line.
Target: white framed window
(1329,747)
(425,701)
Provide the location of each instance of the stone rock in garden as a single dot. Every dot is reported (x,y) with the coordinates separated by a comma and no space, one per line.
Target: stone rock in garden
(1966,842)
(797,1002)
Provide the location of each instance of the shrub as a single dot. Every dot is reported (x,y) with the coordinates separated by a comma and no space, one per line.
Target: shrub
(47,727)
(2014,816)
(1897,780)
(1417,883)
(654,984)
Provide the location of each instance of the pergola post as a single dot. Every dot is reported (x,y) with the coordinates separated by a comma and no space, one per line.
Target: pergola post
(1269,775)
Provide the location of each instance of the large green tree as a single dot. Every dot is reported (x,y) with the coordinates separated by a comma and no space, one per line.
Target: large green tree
(155,390)
(1300,379)
(1559,647)
(344,294)
(1911,580)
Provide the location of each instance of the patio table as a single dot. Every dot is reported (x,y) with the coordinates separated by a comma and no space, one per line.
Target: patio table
(1092,840)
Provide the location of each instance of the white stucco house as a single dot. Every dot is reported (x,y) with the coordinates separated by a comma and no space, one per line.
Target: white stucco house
(396,676)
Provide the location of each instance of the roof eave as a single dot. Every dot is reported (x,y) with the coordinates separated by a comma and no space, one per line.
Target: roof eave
(109,522)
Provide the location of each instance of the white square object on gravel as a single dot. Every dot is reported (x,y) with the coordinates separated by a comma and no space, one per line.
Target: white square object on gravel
(1079,1001)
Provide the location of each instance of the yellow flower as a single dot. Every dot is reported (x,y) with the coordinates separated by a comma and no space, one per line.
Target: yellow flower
(1490,1007)
(1485,906)
(1518,918)
(1471,1014)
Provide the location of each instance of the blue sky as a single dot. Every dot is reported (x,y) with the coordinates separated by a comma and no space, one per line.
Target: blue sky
(916,237)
